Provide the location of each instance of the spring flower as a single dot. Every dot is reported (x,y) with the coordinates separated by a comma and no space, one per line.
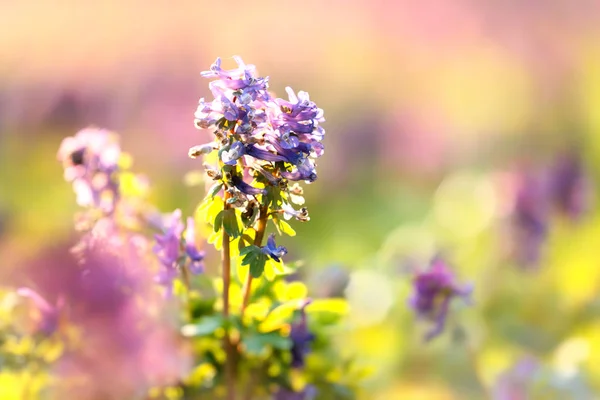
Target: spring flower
(531,218)
(570,186)
(289,212)
(433,291)
(280,139)
(272,250)
(172,249)
(301,339)
(90,158)
(196,256)
(49,315)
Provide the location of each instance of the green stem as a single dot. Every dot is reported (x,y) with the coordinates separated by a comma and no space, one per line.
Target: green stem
(229,349)
(260,233)
(185,277)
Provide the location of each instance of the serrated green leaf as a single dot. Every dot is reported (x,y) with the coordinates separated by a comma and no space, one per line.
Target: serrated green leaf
(230,223)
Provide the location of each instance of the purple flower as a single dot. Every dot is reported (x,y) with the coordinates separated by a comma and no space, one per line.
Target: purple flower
(126,345)
(242,79)
(245,188)
(301,339)
(231,154)
(433,291)
(196,256)
(172,248)
(272,250)
(49,315)
(531,218)
(516,383)
(257,132)
(89,159)
(308,393)
(570,186)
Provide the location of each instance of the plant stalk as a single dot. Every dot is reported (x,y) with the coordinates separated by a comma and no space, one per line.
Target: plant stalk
(260,234)
(229,349)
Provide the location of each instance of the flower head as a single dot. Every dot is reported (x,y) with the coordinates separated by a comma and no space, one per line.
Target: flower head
(89,159)
(433,291)
(280,139)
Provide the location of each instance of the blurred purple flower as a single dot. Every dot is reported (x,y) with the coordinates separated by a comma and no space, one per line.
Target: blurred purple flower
(173,247)
(570,185)
(433,291)
(531,218)
(90,158)
(272,250)
(49,315)
(301,339)
(515,383)
(308,393)
(120,345)
(196,256)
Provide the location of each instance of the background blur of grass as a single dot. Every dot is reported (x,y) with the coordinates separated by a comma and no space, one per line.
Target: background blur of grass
(427,104)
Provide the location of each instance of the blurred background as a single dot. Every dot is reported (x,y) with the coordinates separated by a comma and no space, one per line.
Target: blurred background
(433,110)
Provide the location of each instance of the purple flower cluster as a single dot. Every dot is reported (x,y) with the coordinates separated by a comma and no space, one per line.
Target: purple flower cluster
(90,159)
(271,139)
(434,289)
(564,187)
(174,248)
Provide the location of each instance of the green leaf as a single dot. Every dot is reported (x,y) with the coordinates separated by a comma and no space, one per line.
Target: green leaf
(249,249)
(283,227)
(255,344)
(218,221)
(230,223)
(257,265)
(206,326)
(214,189)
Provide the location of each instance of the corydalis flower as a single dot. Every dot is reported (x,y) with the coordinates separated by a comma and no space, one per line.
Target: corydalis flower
(173,248)
(90,158)
(272,250)
(48,315)
(570,186)
(531,218)
(433,291)
(301,339)
(279,140)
